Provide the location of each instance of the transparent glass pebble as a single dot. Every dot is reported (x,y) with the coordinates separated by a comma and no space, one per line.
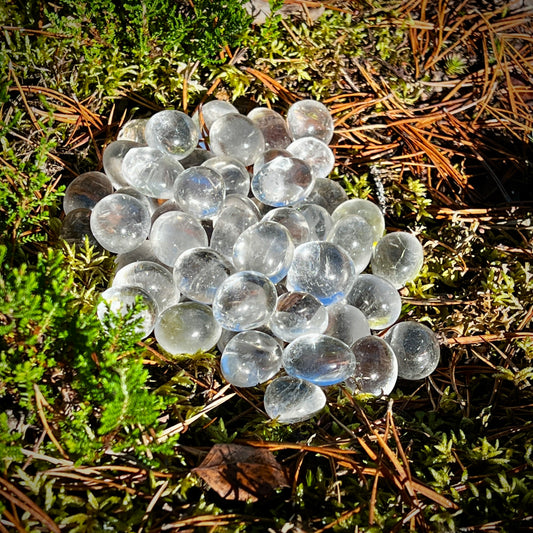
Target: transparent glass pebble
(322,269)
(242,202)
(355,236)
(213,110)
(317,154)
(377,298)
(150,203)
(187,328)
(250,358)
(196,158)
(290,400)
(199,272)
(153,278)
(201,192)
(398,257)
(265,247)
(365,209)
(133,130)
(346,323)
(328,194)
(173,233)
(151,171)
(376,370)
(267,156)
(112,158)
(169,205)
(416,348)
(120,300)
(310,118)
(284,181)
(228,226)
(297,314)
(144,252)
(244,301)
(293,220)
(173,132)
(120,222)
(76,226)
(236,176)
(319,359)
(272,125)
(86,190)
(236,136)
(318,220)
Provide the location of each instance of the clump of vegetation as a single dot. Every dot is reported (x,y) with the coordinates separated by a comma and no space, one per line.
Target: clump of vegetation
(100,430)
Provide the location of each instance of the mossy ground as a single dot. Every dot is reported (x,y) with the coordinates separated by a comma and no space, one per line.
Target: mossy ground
(432,104)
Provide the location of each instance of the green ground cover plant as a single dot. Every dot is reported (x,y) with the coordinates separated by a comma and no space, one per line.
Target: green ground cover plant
(102,431)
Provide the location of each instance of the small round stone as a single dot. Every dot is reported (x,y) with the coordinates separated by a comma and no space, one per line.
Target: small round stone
(310,118)
(153,278)
(173,233)
(133,130)
(76,226)
(173,132)
(236,176)
(86,190)
(328,194)
(290,400)
(112,158)
(250,358)
(200,191)
(151,171)
(150,203)
(237,136)
(398,257)
(416,348)
(319,359)
(265,247)
(213,110)
(267,156)
(283,181)
(376,369)
(199,272)
(120,301)
(120,222)
(377,298)
(365,209)
(187,328)
(244,301)
(297,314)
(272,125)
(346,323)
(322,269)
(196,158)
(318,220)
(317,154)
(293,220)
(144,252)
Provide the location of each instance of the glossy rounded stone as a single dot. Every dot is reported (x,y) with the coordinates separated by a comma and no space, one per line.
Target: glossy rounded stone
(200,191)
(133,130)
(242,202)
(237,136)
(112,158)
(144,252)
(265,247)
(297,314)
(120,223)
(196,158)
(283,181)
(199,272)
(187,328)
(151,171)
(290,400)
(293,220)
(244,301)
(328,194)
(376,369)
(120,301)
(150,203)
(416,348)
(173,132)
(346,323)
(377,298)
(235,175)
(322,269)
(250,358)
(319,359)
(153,278)
(76,226)
(317,154)
(365,209)
(272,125)
(310,118)
(267,156)
(213,110)
(355,236)
(173,233)
(318,220)
(86,190)
(398,257)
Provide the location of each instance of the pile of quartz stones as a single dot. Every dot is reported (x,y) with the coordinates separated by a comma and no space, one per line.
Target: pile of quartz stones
(228,230)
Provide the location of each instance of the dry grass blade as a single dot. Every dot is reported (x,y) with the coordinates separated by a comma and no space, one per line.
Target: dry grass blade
(480,339)
(273,85)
